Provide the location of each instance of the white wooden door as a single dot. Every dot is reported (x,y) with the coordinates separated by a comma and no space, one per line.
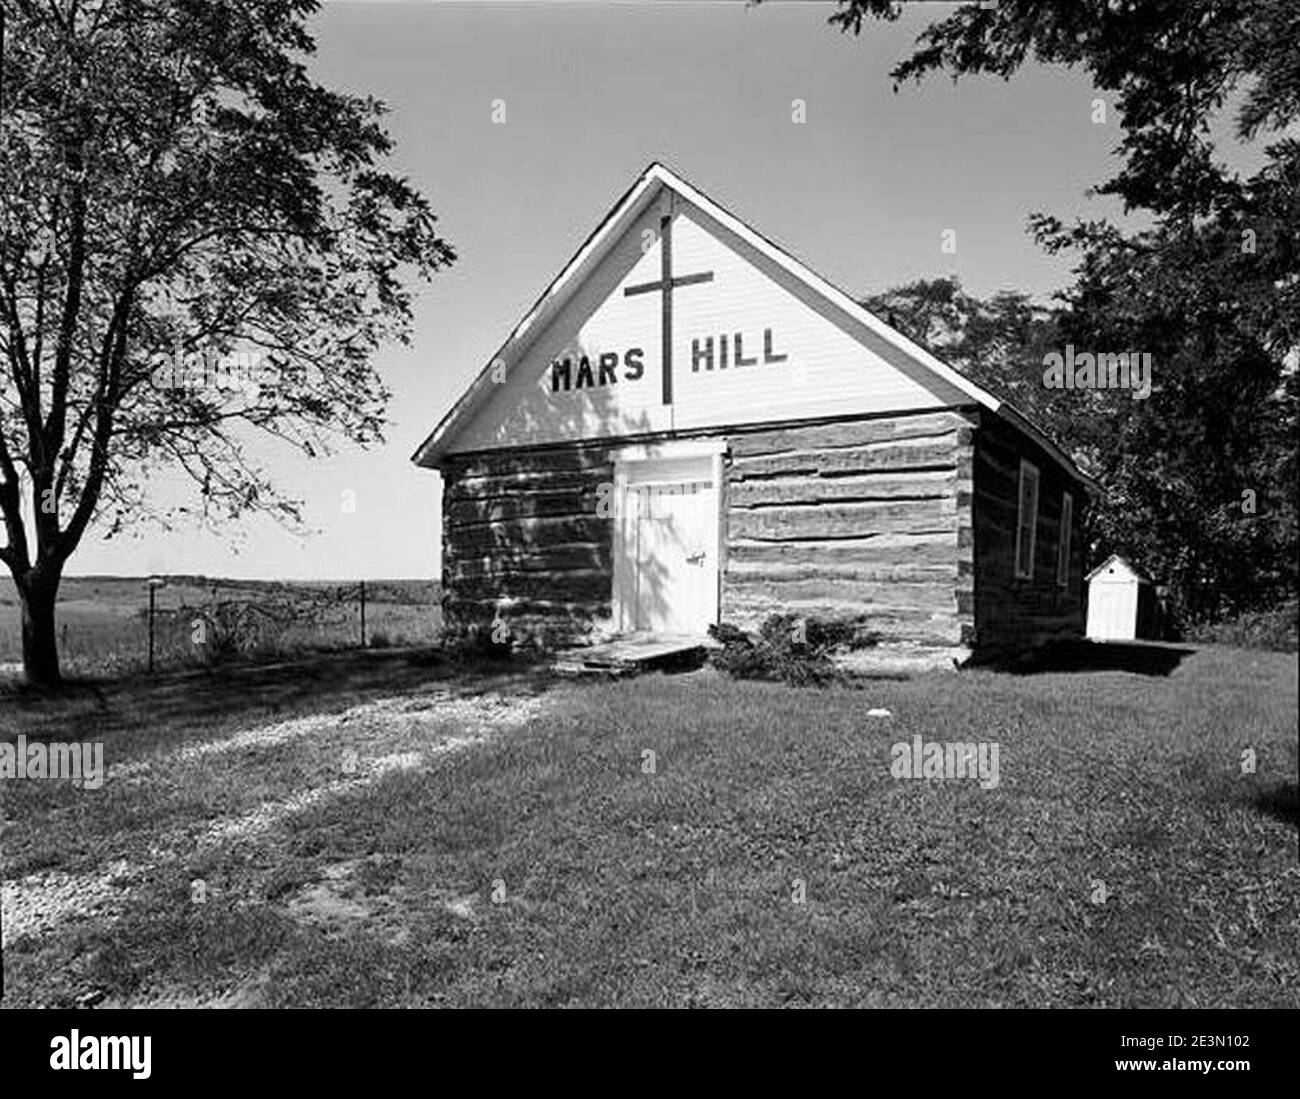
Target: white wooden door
(1111,611)
(667,543)
(675,532)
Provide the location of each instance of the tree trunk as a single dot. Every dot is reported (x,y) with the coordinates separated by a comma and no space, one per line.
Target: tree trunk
(37,592)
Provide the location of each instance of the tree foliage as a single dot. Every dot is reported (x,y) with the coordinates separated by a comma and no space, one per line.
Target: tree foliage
(177,194)
(1200,479)
(999,343)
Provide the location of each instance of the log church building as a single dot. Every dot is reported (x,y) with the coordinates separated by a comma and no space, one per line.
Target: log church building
(691,427)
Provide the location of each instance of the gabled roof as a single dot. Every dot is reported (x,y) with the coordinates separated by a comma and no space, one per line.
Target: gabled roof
(1116,559)
(633,202)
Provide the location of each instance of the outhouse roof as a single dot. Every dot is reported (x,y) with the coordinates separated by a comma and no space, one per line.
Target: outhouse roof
(1116,560)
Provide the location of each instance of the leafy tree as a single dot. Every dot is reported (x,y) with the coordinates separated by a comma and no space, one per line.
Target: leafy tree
(999,343)
(1200,478)
(178,197)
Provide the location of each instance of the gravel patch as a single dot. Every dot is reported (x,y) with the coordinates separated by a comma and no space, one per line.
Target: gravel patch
(39,903)
(392,715)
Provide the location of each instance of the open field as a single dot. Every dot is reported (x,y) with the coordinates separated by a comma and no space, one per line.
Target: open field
(103,624)
(373,830)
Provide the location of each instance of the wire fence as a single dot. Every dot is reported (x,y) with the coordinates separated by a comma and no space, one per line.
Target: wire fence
(105,627)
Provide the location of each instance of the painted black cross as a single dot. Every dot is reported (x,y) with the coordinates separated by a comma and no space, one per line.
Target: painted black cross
(666,284)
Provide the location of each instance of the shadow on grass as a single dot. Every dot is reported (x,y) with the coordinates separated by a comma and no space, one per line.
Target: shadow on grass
(316,681)
(1140,658)
(1282,802)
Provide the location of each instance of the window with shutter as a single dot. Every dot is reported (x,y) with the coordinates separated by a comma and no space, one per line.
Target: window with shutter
(1063,546)
(1027,520)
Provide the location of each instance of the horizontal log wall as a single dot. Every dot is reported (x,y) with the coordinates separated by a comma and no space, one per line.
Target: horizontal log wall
(905,523)
(1010,613)
(866,520)
(523,544)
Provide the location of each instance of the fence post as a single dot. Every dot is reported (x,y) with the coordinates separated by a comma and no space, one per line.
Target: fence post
(154,583)
(363,614)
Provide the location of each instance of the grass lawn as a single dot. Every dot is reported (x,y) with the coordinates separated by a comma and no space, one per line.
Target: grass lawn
(366,831)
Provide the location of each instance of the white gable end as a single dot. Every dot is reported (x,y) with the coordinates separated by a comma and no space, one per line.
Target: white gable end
(806,350)
(750,344)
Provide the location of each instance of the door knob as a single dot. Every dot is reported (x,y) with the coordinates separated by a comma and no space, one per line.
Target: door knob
(695,558)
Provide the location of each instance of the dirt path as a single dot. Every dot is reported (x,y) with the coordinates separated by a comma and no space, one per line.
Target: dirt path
(38,904)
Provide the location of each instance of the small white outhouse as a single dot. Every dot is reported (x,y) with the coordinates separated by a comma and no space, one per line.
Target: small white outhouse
(1118,600)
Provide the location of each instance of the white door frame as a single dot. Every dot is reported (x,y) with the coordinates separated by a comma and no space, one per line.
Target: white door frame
(649,462)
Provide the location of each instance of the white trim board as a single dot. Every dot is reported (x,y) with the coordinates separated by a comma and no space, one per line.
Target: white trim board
(670,448)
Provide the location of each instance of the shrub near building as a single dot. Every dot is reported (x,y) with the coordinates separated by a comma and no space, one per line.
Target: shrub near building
(789,649)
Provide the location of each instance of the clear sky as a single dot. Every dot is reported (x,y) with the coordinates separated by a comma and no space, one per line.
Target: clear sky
(861,191)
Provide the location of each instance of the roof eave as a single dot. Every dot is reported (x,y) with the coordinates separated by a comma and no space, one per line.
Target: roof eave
(1017,418)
